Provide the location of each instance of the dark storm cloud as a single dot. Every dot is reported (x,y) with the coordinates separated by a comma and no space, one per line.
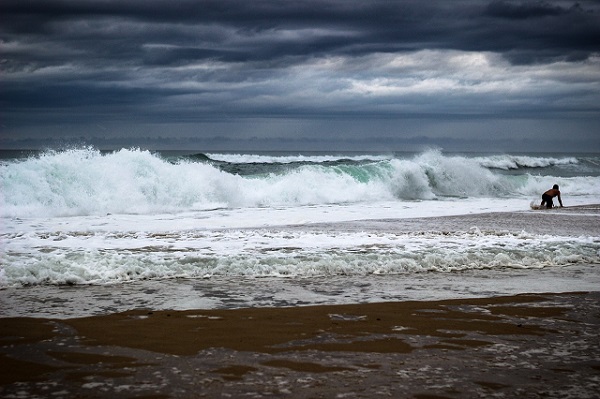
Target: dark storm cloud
(238,30)
(533,32)
(192,60)
(523,10)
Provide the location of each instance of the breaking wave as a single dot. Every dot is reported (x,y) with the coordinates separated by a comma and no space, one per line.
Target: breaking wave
(131,181)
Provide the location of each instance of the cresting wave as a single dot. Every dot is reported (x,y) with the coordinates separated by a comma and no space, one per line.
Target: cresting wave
(87,182)
(287,159)
(506,162)
(503,162)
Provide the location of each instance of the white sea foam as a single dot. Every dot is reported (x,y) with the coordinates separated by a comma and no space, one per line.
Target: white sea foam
(83,217)
(83,257)
(507,162)
(256,158)
(86,182)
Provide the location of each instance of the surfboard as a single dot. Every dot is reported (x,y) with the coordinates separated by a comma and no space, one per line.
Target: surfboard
(534,205)
(538,208)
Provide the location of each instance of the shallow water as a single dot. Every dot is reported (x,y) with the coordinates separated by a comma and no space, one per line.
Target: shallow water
(564,261)
(226,293)
(192,233)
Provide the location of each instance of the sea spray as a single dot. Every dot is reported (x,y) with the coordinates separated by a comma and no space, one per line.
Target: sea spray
(85,181)
(507,162)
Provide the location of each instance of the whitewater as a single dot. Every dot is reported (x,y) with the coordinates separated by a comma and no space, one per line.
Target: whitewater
(86,182)
(117,219)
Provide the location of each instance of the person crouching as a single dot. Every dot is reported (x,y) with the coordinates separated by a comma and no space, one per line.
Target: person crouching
(549,195)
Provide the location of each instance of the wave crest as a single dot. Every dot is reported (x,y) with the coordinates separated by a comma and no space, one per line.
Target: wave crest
(87,182)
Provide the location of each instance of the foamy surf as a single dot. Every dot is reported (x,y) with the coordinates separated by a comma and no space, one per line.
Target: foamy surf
(86,217)
(85,257)
(85,182)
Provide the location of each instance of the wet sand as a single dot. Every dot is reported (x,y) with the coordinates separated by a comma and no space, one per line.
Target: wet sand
(530,346)
(571,221)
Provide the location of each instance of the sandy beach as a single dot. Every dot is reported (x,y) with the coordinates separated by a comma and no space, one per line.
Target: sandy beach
(520,346)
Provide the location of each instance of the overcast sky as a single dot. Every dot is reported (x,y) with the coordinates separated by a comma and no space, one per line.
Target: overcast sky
(476,73)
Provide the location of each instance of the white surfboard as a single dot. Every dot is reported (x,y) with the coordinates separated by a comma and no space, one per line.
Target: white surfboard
(537,207)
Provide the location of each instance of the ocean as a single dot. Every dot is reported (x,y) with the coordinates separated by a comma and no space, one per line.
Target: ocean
(89,232)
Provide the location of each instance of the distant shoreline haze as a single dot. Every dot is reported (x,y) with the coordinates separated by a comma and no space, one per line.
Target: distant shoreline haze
(220,143)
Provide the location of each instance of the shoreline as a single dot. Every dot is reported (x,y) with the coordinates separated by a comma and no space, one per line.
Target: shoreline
(219,292)
(222,293)
(529,345)
(502,333)
(555,221)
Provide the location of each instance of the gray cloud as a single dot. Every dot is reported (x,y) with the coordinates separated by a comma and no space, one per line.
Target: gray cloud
(259,30)
(197,61)
(527,10)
